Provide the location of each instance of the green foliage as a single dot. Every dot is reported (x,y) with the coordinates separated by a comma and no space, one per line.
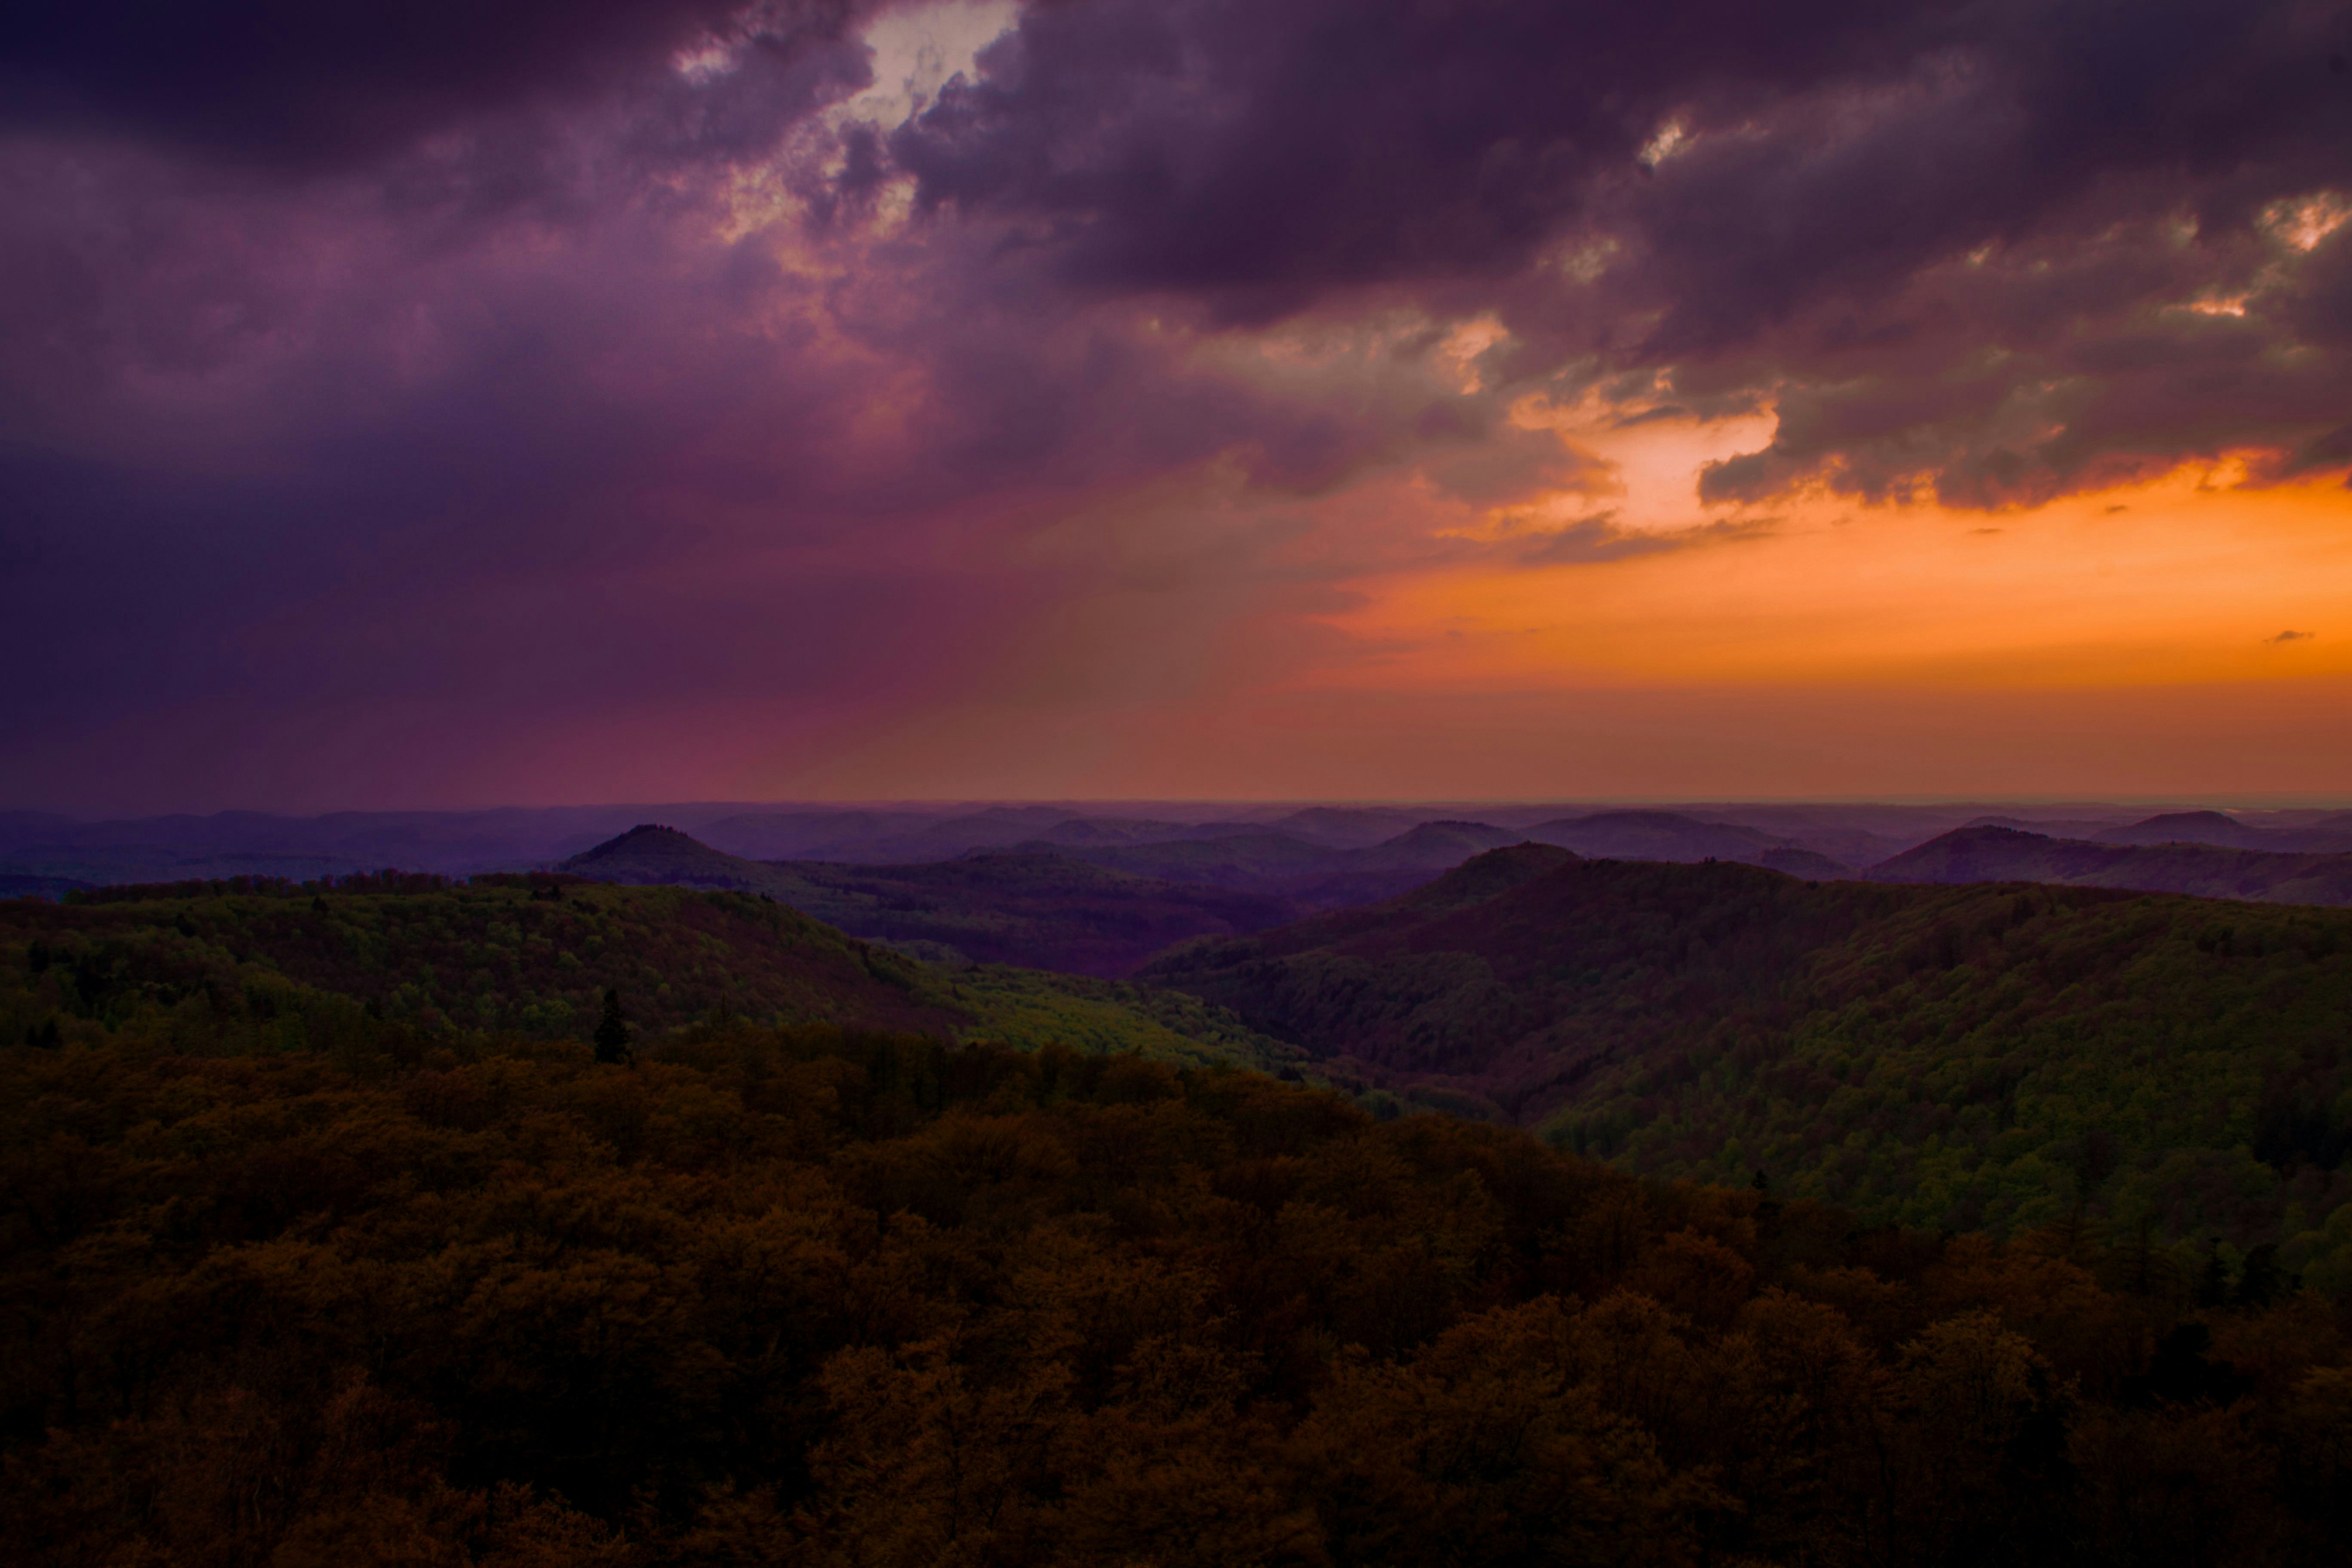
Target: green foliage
(812,1296)
(1989,1056)
(263,967)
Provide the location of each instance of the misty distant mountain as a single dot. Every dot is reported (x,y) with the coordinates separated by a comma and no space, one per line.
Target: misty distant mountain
(2192,827)
(2060,827)
(1347,827)
(786,835)
(2228,832)
(1653,835)
(2204,870)
(1672,837)
(1039,910)
(1089,909)
(1313,875)
(1433,845)
(894,838)
(1810,840)
(252,843)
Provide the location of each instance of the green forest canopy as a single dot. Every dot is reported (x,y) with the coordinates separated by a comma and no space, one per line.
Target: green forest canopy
(1958,1057)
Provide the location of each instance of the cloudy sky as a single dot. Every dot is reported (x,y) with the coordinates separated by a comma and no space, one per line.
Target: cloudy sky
(579,400)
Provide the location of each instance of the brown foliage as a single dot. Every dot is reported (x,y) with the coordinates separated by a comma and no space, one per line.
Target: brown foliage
(804,1297)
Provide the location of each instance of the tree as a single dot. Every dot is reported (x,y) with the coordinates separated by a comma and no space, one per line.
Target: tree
(613,1032)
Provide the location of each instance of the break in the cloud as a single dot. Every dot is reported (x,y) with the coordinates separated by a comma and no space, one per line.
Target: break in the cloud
(557,401)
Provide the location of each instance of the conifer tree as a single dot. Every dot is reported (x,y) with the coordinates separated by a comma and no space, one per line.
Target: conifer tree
(613,1032)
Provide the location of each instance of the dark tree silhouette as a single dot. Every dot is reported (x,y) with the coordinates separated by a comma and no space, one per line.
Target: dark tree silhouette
(613,1031)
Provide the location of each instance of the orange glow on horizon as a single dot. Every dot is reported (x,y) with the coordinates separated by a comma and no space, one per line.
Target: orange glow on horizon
(2185,580)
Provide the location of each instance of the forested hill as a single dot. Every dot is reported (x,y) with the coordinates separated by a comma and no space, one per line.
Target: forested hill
(1956,1057)
(258,965)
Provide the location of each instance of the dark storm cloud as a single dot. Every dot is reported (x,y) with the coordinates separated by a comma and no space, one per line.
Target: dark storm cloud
(1748,196)
(1262,153)
(301,84)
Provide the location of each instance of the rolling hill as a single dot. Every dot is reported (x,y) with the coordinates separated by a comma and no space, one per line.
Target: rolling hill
(1952,1056)
(230,967)
(1035,908)
(2321,838)
(2004,855)
(1311,874)
(1087,908)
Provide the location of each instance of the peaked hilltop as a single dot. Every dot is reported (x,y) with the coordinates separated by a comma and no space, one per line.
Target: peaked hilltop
(651,853)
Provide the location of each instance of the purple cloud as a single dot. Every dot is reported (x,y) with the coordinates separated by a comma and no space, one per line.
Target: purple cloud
(600,360)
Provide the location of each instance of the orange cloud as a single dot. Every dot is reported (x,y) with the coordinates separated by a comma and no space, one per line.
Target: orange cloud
(2177,580)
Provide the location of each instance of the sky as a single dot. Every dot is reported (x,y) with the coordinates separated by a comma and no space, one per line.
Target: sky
(579,400)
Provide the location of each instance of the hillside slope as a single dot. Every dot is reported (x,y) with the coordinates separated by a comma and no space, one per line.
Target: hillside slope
(262,968)
(1945,1057)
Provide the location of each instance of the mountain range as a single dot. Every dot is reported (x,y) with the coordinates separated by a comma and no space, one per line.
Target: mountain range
(59,851)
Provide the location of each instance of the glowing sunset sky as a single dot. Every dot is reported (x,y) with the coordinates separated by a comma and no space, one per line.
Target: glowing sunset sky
(602,401)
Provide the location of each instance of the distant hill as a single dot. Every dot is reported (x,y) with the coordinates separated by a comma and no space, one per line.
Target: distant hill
(1307,875)
(2186,827)
(1433,846)
(905,837)
(2227,832)
(1347,827)
(1099,909)
(1670,835)
(2089,827)
(1938,1055)
(2202,870)
(650,853)
(1043,910)
(252,843)
(1653,835)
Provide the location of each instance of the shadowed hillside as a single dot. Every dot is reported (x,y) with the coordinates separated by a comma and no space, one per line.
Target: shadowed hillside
(1955,1057)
